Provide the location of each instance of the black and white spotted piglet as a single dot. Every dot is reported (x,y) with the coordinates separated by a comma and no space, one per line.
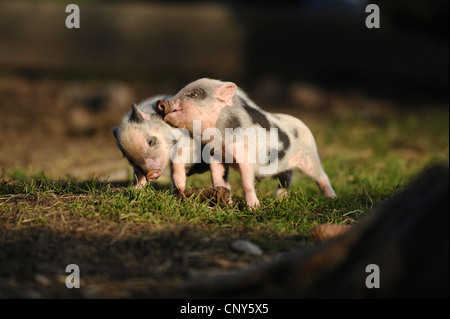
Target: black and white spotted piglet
(226,108)
(148,143)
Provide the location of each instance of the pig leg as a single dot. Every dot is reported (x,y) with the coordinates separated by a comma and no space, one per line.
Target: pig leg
(178,174)
(139,179)
(284,182)
(325,186)
(246,171)
(219,176)
(248,186)
(225,176)
(309,163)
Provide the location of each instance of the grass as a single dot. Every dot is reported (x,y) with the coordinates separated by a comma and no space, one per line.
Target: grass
(368,160)
(296,213)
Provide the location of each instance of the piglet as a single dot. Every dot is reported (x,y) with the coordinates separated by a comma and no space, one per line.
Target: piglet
(225,108)
(149,144)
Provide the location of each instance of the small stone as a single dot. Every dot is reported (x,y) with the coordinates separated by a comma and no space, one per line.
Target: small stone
(245,246)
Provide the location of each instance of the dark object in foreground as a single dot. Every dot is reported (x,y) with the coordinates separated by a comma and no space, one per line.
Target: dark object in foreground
(216,195)
(407,237)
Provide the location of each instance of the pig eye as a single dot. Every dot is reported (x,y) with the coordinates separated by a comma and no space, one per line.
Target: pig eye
(196,93)
(152,141)
(193,94)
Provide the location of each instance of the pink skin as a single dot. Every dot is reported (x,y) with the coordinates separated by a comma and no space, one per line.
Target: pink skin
(310,165)
(181,110)
(152,166)
(324,184)
(152,174)
(155,167)
(248,186)
(184,117)
(139,179)
(179,176)
(217,172)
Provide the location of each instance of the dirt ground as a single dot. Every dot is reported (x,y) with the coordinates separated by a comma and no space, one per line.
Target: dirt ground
(146,262)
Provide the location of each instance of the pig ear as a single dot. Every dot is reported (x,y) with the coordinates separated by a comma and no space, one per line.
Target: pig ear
(225,91)
(115,131)
(137,115)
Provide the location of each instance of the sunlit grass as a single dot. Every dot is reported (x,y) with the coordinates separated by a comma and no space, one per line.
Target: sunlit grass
(367,160)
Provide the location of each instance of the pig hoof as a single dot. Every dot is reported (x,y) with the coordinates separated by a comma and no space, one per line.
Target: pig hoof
(282,193)
(139,186)
(254,205)
(331,195)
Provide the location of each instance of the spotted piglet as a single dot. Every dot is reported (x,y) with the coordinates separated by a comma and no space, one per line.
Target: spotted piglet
(150,146)
(286,142)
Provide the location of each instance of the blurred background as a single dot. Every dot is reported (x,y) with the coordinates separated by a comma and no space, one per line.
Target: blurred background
(61,90)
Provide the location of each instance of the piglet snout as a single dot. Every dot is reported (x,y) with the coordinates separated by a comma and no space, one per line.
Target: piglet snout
(161,106)
(165,107)
(153,175)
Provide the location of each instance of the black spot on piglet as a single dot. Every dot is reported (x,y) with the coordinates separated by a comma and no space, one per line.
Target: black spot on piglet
(283,138)
(233,122)
(256,115)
